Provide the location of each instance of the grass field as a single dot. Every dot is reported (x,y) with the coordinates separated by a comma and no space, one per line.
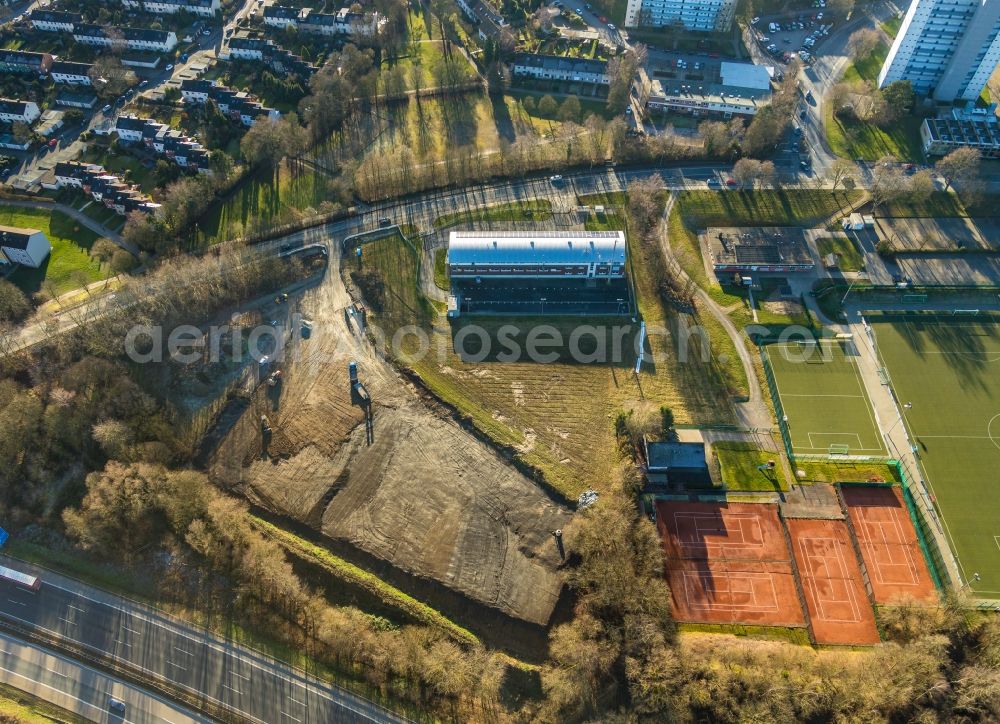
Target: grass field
(556,417)
(69,266)
(527,210)
(823,400)
(739,463)
(264,201)
(848,257)
(855,139)
(948,369)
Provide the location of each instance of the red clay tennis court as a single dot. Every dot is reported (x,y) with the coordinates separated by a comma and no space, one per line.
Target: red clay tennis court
(889,546)
(839,610)
(728,563)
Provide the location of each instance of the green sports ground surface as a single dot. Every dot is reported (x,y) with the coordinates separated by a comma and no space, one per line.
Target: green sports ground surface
(823,399)
(948,368)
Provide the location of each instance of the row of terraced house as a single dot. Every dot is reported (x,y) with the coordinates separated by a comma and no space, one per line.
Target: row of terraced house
(103,187)
(307,20)
(163,140)
(238,105)
(146,39)
(245,46)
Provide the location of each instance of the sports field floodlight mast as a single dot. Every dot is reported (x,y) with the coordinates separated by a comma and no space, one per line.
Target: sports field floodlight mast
(906,405)
(974,579)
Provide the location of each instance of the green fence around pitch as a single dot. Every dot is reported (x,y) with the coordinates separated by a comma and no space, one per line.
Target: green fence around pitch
(779,411)
(935,561)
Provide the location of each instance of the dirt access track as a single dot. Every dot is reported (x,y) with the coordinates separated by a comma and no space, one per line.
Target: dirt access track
(426,496)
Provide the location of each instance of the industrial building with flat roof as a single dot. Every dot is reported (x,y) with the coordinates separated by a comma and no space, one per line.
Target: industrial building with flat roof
(720,89)
(760,250)
(538,272)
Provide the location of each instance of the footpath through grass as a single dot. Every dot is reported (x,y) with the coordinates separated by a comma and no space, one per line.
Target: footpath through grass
(69,266)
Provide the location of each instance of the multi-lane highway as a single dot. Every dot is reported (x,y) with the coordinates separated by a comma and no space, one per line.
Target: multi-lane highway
(81,690)
(168,651)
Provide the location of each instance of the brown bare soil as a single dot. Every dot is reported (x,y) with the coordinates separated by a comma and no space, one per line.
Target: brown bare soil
(426,496)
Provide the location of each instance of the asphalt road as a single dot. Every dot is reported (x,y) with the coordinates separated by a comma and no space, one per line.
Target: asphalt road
(81,690)
(159,647)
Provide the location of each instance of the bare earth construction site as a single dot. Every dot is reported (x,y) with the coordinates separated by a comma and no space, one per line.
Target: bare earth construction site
(425,495)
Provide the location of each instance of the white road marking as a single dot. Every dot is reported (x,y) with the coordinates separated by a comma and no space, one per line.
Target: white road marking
(285,713)
(19,603)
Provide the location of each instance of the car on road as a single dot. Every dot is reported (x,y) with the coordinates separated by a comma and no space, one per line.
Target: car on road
(170,67)
(556,179)
(143,84)
(805,165)
(106,108)
(802,114)
(714,183)
(611,26)
(730,182)
(116,706)
(755,21)
(206,31)
(53,143)
(385,221)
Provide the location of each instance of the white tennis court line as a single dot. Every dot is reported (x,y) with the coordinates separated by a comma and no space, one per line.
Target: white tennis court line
(865,537)
(717,527)
(753,606)
(824,563)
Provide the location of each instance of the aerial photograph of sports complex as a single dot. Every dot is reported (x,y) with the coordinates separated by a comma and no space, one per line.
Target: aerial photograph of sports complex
(500,361)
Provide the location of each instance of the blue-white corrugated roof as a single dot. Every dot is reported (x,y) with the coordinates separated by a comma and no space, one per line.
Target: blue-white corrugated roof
(541,247)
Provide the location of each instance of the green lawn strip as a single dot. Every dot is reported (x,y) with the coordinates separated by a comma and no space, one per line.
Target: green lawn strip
(604,198)
(783,633)
(739,462)
(608,221)
(355,576)
(23,708)
(837,472)
(70,265)
(441,278)
(891,26)
(868,68)
(848,257)
(530,210)
(939,204)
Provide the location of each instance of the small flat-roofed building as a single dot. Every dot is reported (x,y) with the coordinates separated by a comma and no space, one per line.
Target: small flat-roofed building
(28,247)
(536,255)
(941,136)
(760,250)
(677,464)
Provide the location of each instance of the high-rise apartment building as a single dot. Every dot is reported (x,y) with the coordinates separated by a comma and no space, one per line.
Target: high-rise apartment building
(705,15)
(946,48)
